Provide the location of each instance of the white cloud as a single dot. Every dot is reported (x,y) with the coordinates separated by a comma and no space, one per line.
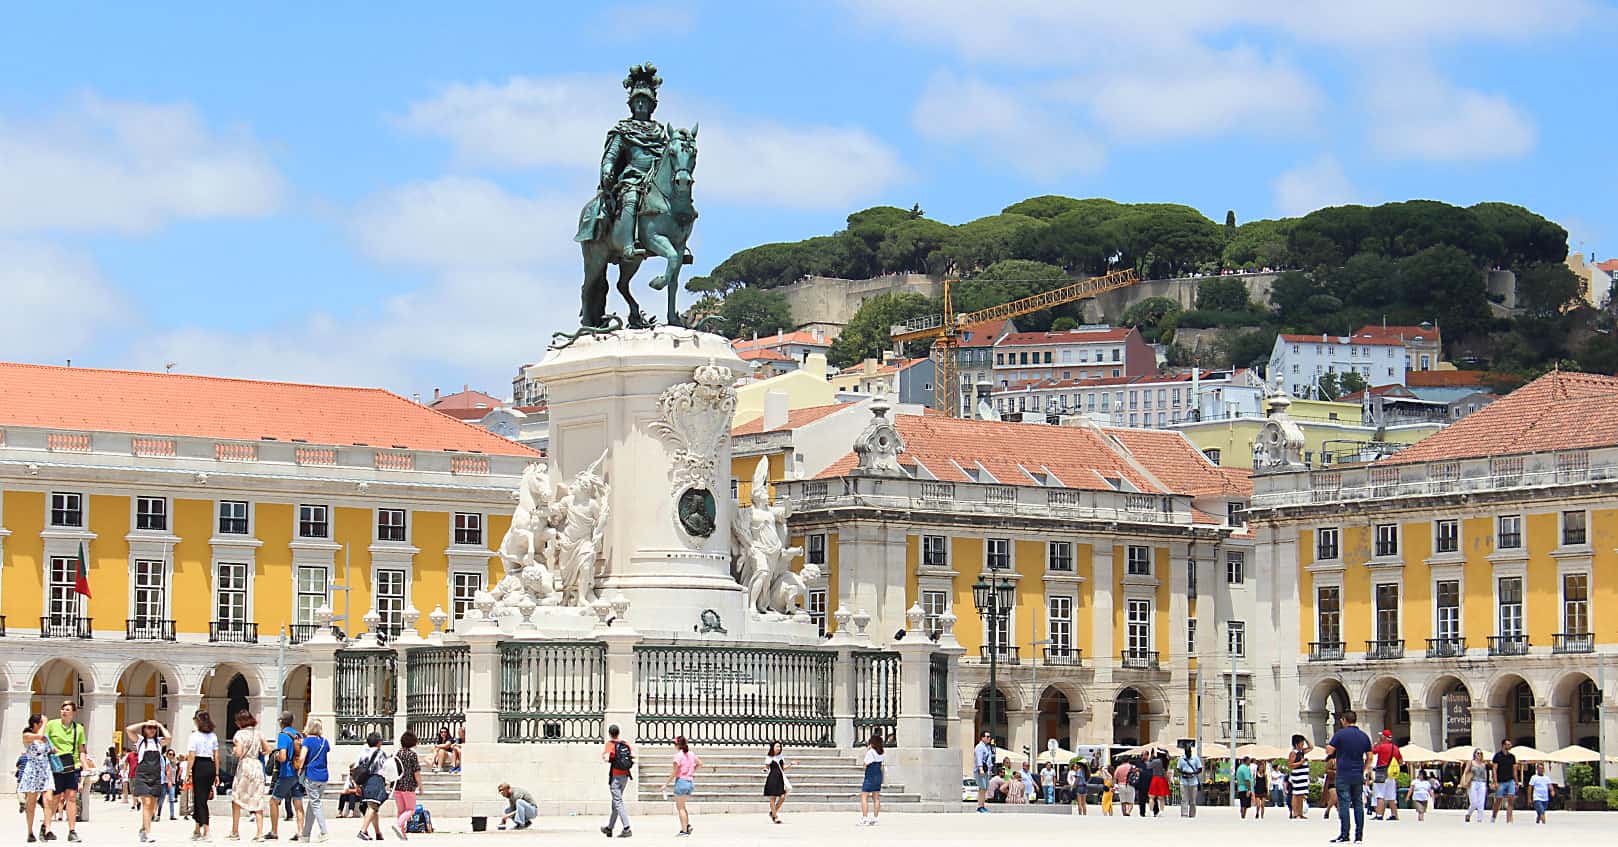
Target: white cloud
(1312,185)
(56,303)
(103,165)
(561,122)
(1201,93)
(461,223)
(1417,115)
(999,125)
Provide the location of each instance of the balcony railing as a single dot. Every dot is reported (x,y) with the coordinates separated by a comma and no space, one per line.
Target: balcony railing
(57,626)
(1508,645)
(1561,642)
(1002,655)
(1447,647)
(233,632)
(1244,730)
(301,632)
(1064,656)
(1139,660)
(148,629)
(1325,651)
(1386,649)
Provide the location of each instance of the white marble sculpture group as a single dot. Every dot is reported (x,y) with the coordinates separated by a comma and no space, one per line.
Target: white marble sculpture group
(551,550)
(763,561)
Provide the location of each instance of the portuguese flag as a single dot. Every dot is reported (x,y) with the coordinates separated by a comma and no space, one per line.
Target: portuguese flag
(81,579)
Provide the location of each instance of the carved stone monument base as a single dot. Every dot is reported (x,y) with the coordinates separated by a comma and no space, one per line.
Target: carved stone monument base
(659,402)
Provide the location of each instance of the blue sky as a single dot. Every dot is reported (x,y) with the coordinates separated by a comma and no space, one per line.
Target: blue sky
(321,192)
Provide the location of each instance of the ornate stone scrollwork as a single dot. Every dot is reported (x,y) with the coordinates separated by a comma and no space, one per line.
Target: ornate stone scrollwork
(694,422)
(878,447)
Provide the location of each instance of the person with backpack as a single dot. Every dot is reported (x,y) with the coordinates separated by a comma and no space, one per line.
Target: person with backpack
(368,773)
(313,772)
(68,759)
(620,759)
(284,789)
(404,786)
(1189,769)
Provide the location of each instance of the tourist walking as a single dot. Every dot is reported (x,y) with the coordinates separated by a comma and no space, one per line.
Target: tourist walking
(520,807)
(682,776)
(1047,781)
(68,757)
(408,781)
(182,783)
(1158,789)
(171,780)
(1297,779)
(1078,782)
(314,771)
(1123,790)
(1388,761)
(620,759)
(1242,784)
(146,786)
(1141,776)
(871,788)
(1503,770)
(368,774)
(1349,746)
(1475,782)
(1189,770)
(1540,791)
(284,788)
(777,786)
(1261,788)
(201,752)
(1328,788)
(34,781)
(247,794)
(1421,793)
(983,768)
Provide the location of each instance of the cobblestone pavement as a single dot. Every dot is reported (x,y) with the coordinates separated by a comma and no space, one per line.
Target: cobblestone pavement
(1212,826)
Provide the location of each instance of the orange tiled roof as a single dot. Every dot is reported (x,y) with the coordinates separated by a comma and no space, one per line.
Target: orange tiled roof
(468,399)
(1561,410)
(1178,464)
(795,419)
(983,334)
(801,336)
(148,403)
(1080,457)
(1449,379)
(1341,339)
(1610,266)
(1398,334)
(764,354)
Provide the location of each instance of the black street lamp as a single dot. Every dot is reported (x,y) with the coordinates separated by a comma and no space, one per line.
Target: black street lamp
(994,596)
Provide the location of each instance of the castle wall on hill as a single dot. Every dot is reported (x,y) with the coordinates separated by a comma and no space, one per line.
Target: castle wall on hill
(819,299)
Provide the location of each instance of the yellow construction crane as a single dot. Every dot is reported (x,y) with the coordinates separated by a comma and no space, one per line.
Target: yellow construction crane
(943,328)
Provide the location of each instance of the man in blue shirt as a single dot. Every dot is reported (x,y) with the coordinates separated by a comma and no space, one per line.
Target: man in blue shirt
(1349,747)
(285,788)
(983,766)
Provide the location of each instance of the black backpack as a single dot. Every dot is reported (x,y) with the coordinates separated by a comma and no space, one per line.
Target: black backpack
(623,759)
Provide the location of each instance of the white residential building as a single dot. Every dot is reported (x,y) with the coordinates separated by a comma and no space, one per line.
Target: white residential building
(1301,360)
(1155,401)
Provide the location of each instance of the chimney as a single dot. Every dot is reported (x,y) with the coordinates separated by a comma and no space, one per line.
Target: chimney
(435,395)
(775,410)
(465,387)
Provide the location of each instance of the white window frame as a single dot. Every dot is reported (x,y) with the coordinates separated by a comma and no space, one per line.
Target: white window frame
(1443,628)
(82,508)
(325,516)
(456,528)
(815,604)
(1384,535)
(814,548)
(391,618)
(1235,567)
(143,512)
(1051,550)
(1585,603)
(1320,635)
(1336,534)
(459,599)
(1191,636)
(1138,625)
(934,604)
(1511,618)
(61,601)
(1007,553)
(246,590)
(1140,565)
(1236,639)
(1439,535)
(384,519)
(1376,611)
(941,542)
(1501,535)
(1059,620)
(1561,528)
(246,518)
(298,592)
(143,572)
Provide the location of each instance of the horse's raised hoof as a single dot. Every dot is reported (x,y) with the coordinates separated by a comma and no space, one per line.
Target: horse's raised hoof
(658,284)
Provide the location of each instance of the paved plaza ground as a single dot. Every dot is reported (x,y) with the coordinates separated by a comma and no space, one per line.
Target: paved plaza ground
(1212,826)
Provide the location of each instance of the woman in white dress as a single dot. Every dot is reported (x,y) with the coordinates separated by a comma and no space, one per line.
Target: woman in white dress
(36,770)
(247,786)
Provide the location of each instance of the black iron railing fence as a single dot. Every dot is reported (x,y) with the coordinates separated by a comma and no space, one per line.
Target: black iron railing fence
(366,694)
(876,697)
(552,692)
(723,695)
(437,689)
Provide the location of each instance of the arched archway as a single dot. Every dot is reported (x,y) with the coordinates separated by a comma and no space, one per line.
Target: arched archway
(146,692)
(1052,721)
(1450,702)
(1137,712)
(1513,698)
(996,723)
(58,680)
(1576,700)
(1387,706)
(296,696)
(1324,706)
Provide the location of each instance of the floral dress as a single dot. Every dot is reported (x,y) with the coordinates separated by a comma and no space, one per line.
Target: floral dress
(247,786)
(36,770)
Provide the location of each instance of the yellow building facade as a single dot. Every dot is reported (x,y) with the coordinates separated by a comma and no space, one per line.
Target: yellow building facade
(207,556)
(1458,592)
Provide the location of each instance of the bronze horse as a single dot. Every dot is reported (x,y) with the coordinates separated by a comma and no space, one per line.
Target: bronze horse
(664,223)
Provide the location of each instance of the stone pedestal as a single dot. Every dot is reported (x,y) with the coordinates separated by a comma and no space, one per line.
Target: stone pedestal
(657,403)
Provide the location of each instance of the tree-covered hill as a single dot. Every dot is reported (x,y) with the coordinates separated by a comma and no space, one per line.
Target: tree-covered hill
(1343,267)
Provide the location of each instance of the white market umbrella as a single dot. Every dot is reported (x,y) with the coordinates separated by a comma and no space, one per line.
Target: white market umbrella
(1260,751)
(1215,750)
(1315,754)
(1420,755)
(1573,754)
(1061,757)
(1457,755)
(1529,754)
